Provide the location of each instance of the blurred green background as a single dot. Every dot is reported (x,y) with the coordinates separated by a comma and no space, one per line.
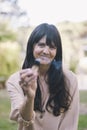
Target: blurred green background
(6,124)
(13,41)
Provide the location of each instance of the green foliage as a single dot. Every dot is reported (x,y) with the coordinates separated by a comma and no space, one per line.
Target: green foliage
(6,33)
(73,64)
(6,124)
(82,122)
(9,58)
(7,36)
(83,96)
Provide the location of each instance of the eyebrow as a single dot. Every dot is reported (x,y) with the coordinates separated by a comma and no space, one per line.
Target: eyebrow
(41,43)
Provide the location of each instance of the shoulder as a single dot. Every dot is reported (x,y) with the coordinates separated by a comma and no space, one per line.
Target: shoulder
(15,77)
(71,80)
(13,81)
(69,74)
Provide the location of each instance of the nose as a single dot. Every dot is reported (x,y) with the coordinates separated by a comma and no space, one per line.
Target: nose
(46,50)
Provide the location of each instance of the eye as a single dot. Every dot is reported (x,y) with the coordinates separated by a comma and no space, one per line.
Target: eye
(41,45)
(52,47)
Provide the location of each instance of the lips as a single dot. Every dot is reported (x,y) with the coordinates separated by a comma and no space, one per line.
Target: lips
(45,57)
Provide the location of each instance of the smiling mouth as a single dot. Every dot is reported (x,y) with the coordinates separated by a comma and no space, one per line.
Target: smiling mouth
(47,56)
(44,57)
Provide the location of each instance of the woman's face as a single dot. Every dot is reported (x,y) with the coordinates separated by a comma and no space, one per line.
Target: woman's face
(45,53)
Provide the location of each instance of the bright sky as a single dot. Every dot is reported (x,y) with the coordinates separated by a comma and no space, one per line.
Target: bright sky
(54,11)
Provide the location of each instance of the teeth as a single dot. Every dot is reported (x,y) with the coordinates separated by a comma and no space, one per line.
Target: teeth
(44,57)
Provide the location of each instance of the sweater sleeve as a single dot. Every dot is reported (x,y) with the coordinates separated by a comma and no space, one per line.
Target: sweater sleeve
(16,96)
(70,118)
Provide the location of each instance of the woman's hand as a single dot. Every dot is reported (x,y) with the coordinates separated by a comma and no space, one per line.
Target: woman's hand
(28,82)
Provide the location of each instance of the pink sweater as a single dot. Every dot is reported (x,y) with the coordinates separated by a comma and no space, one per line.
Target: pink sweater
(45,121)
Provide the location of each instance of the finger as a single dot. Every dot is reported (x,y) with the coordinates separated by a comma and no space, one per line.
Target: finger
(24,87)
(27,81)
(22,83)
(26,74)
(25,71)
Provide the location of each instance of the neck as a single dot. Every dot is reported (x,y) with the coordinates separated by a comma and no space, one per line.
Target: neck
(43,70)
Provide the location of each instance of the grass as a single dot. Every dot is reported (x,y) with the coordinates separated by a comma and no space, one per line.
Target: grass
(83,118)
(6,124)
(82,122)
(83,96)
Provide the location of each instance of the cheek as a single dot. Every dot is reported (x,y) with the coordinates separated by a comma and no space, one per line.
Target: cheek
(36,52)
(53,53)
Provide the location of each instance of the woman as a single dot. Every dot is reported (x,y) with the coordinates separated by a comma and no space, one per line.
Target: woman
(45,97)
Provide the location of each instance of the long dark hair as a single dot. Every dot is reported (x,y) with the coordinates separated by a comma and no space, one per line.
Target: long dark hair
(59,99)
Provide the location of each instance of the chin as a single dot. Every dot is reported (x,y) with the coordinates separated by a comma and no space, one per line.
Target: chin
(45,63)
